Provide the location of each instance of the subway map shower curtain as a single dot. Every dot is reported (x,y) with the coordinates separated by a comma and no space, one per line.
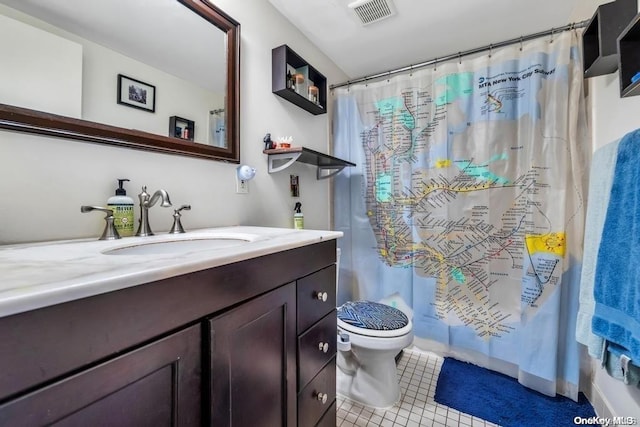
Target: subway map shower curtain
(466,206)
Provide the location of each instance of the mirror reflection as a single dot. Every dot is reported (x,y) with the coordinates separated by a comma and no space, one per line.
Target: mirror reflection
(155,67)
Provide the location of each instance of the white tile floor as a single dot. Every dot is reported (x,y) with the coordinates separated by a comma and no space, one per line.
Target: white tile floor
(418,374)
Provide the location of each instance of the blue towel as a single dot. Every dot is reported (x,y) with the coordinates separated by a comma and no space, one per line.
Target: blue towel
(601,176)
(617,282)
(618,365)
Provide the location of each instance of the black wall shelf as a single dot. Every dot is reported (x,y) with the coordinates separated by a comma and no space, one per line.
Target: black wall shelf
(181,128)
(599,40)
(282,158)
(282,56)
(629,58)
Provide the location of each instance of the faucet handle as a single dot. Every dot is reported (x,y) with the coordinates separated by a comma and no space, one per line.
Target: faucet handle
(110,232)
(176,228)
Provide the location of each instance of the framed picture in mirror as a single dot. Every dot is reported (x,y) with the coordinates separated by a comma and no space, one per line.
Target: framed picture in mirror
(136,94)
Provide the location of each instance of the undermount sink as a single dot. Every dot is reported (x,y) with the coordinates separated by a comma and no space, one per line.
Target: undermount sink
(182,245)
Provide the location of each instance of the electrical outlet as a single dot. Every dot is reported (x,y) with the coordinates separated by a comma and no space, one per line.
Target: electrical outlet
(242,186)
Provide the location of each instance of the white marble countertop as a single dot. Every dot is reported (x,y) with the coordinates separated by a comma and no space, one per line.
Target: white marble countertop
(37,275)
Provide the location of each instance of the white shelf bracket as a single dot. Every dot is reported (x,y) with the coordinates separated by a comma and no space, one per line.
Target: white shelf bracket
(332,170)
(281,161)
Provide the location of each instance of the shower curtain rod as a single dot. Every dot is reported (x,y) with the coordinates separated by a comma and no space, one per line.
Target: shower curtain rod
(520,39)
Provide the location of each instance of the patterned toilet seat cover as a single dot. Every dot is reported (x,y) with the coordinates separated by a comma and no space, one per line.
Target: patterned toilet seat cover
(372,315)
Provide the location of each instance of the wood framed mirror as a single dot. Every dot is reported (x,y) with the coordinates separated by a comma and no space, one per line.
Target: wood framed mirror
(216,123)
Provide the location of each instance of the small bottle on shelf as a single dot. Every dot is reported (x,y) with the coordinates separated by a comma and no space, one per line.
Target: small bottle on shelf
(298,82)
(289,80)
(313,94)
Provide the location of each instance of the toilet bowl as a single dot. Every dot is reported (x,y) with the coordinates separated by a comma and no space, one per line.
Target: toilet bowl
(370,335)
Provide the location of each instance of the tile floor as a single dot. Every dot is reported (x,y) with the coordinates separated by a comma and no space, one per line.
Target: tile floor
(418,373)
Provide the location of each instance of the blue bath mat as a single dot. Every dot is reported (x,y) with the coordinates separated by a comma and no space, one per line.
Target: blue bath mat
(500,399)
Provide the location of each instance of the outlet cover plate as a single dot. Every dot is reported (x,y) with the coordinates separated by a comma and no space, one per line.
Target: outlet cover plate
(242,186)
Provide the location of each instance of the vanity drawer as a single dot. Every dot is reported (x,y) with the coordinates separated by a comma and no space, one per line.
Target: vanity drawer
(316,296)
(329,417)
(316,347)
(310,400)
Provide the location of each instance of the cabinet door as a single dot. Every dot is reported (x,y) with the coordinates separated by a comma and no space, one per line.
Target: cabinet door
(156,385)
(253,362)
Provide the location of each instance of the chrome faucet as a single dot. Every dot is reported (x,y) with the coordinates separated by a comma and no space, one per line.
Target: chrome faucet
(110,232)
(147,201)
(177,228)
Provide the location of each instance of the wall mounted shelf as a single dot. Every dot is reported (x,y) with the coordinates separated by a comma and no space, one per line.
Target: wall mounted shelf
(599,37)
(181,128)
(284,60)
(629,58)
(282,158)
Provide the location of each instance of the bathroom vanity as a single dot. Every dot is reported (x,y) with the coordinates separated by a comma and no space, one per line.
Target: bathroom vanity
(129,332)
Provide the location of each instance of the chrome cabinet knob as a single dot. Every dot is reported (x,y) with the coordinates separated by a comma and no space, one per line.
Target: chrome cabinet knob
(323,346)
(322,296)
(322,397)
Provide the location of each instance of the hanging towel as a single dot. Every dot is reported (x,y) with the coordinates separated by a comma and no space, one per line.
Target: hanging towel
(617,281)
(618,365)
(603,164)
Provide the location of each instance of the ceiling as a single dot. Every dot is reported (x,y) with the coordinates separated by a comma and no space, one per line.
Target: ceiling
(423,29)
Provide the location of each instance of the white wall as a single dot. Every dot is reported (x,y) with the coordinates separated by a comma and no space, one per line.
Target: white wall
(42,71)
(612,118)
(46,180)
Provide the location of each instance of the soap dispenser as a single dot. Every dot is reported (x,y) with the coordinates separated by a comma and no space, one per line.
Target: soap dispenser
(298,217)
(122,206)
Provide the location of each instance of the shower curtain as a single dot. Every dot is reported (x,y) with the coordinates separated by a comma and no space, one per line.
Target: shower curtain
(466,208)
(217,135)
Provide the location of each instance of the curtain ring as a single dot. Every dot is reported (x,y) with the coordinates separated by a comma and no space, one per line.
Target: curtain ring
(435,64)
(551,41)
(490,50)
(520,43)
(411,70)
(460,58)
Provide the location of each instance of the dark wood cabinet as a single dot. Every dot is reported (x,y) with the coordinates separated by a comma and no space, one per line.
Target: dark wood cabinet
(317,397)
(316,347)
(317,339)
(253,362)
(285,64)
(156,385)
(600,53)
(213,347)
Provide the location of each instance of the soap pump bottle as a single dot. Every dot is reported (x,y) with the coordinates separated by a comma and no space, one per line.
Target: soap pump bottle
(298,217)
(122,206)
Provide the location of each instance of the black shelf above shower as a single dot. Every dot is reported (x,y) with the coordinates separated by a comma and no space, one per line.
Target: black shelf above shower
(285,62)
(599,40)
(629,58)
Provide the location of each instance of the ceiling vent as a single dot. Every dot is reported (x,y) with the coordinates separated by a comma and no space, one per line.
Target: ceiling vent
(370,11)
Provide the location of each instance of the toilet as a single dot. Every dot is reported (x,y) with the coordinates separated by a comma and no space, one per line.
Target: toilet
(370,335)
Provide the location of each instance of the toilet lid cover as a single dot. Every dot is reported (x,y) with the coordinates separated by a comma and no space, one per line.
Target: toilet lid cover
(372,315)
